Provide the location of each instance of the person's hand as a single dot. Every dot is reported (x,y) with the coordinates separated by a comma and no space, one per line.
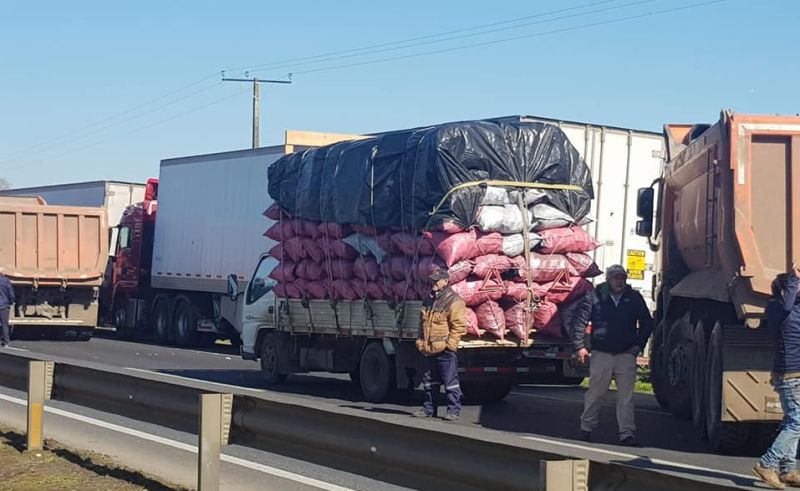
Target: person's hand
(795,270)
(583,355)
(634,350)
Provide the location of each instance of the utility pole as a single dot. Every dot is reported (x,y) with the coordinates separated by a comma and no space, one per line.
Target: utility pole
(256,99)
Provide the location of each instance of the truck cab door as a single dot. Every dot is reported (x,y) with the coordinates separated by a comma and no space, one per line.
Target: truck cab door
(259,304)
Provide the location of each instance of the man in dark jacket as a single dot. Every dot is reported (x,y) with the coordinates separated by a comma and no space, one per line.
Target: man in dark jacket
(444,322)
(778,466)
(6,301)
(621,325)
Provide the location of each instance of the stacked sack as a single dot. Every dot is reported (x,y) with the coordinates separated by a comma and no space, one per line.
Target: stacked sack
(487,263)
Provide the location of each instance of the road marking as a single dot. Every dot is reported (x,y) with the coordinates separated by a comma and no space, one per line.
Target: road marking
(550,398)
(181,377)
(635,457)
(15,349)
(186,447)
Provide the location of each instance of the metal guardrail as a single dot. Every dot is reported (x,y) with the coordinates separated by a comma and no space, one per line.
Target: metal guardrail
(428,455)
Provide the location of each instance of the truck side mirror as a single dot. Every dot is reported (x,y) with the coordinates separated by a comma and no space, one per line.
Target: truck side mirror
(644,228)
(644,204)
(233,286)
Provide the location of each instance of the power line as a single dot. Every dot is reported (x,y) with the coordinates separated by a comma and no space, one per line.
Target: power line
(135,130)
(470,35)
(43,148)
(515,38)
(420,38)
(109,118)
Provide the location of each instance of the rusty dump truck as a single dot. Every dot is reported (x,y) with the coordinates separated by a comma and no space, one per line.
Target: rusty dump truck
(723,219)
(55,257)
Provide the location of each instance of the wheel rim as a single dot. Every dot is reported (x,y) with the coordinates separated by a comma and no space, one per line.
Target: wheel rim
(160,321)
(182,323)
(269,359)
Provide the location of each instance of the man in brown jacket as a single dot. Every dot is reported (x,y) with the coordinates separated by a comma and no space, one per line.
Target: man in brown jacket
(444,322)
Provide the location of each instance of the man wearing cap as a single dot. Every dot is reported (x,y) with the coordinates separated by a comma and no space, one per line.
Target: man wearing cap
(6,301)
(621,325)
(444,322)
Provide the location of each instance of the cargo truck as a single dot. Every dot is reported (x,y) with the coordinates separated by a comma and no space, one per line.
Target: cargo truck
(198,223)
(722,221)
(55,257)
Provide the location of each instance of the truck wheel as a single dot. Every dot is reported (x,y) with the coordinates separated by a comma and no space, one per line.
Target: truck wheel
(121,320)
(85,334)
(161,320)
(698,378)
(270,360)
(185,323)
(657,367)
(376,373)
(679,358)
(487,391)
(723,436)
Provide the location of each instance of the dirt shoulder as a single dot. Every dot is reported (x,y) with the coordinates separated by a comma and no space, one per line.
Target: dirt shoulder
(61,468)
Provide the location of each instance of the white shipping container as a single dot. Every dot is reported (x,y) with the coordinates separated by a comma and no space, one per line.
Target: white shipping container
(622,160)
(209,222)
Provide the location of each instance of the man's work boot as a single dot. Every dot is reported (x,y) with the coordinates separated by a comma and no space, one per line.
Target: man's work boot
(450,417)
(630,441)
(791,479)
(768,476)
(420,413)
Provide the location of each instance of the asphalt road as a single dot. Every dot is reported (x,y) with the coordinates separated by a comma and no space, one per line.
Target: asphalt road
(541,413)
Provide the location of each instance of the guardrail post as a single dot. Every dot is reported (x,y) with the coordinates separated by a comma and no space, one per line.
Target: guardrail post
(215,424)
(564,475)
(40,386)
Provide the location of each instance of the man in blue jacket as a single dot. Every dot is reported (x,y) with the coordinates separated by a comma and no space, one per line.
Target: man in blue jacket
(778,467)
(621,325)
(6,301)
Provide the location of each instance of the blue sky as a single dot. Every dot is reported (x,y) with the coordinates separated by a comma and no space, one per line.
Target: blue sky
(70,66)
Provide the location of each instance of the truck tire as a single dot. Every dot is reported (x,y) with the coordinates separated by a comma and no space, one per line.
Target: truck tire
(376,373)
(679,357)
(162,320)
(120,315)
(269,356)
(184,323)
(487,391)
(85,334)
(698,378)
(723,437)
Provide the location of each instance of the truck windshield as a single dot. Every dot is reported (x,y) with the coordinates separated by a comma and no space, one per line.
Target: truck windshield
(261,284)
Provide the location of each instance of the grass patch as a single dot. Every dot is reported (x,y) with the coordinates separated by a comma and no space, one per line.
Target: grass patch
(58,468)
(643,384)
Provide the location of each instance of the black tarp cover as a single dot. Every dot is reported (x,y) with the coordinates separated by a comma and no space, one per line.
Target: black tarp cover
(397,179)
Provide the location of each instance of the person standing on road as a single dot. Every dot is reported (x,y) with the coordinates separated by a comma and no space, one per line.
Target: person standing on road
(6,302)
(778,466)
(621,325)
(444,322)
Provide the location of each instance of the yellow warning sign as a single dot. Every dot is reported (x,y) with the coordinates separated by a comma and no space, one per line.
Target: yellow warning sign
(636,264)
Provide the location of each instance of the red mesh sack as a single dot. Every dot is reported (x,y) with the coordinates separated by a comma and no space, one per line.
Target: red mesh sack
(430,241)
(456,247)
(405,243)
(341,269)
(396,267)
(302,286)
(273,212)
(310,270)
(343,290)
(359,287)
(309,228)
(484,244)
(515,320)
(278,253)
(544,267)
(491,318)
(341,249)
(283,272)
(288,290)
(546,320)
(403,290)
(472,323)
(283,230)
(318,290)
(423,289)
(518,292)
(313,249)
(366,268)
(566,289)
(460,271)
(426,266)
(386,243)
(376,291)
(567,239)
(294,248)
(333,230)
(472,294)
(485,264)
(449,227)
(583,264)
